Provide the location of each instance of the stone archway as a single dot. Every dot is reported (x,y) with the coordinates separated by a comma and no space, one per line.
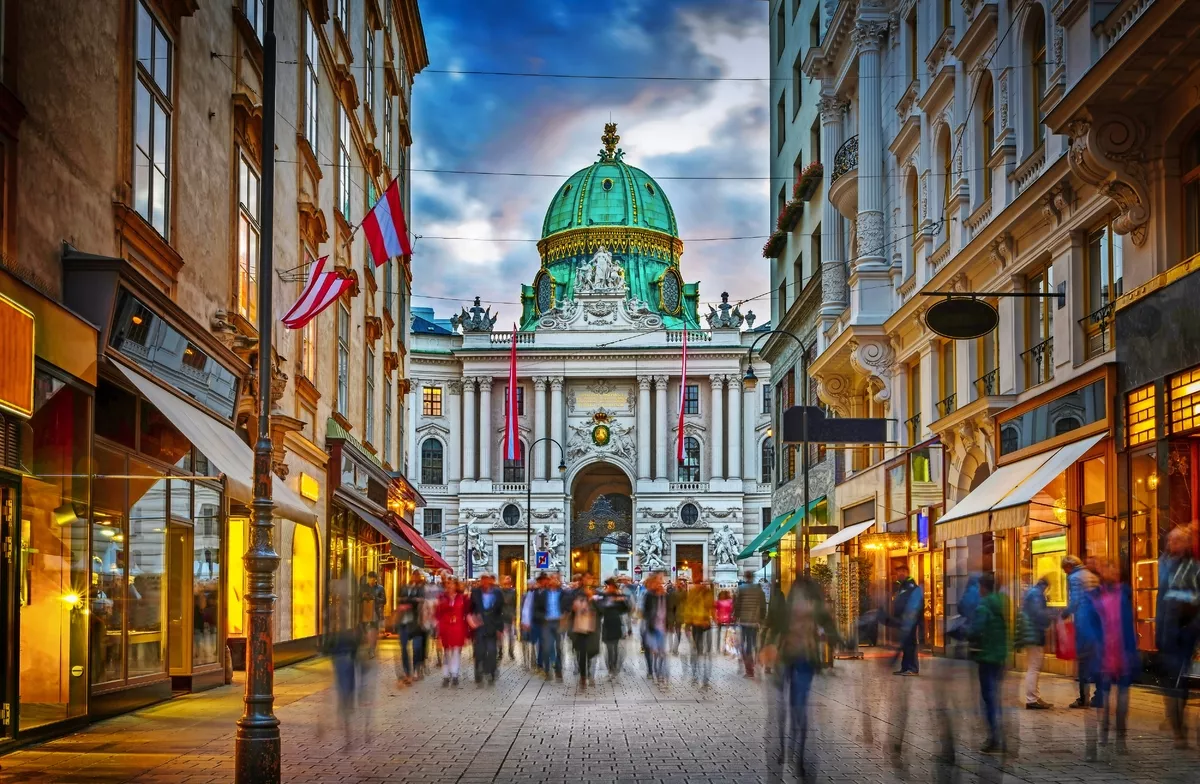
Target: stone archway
(601,521)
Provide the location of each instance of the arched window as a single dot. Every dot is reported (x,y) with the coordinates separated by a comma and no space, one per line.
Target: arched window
(768,459)
(914,216)
(689,470)
(431,462)
(1035,33)
(947,175)
(1066,425)
(304,582)
(987,131)
(1191,196)
(514,470)
(1010,440)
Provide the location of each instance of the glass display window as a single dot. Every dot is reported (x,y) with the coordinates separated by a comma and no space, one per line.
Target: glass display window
(1143,542)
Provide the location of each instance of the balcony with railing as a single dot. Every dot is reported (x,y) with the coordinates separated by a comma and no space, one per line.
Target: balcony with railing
(508,487)
(912,426)
(988,384)
(843,179)
(947,405)
(1098,331)
(689,487)
(1039,363)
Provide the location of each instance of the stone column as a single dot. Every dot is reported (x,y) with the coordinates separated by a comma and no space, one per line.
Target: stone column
(454,422)
(414,413)
(643,427)
(470,432)
(557,422)
(660,427)
(833,263)
(930,368)
(869,35)
(749,451)
(539,427)
(485,428)
(717,429)
(735,425)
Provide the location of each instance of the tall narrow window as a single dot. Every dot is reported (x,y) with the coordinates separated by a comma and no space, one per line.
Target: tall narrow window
(911,30)
(343,360)
(344,162)
(369,80)
(947,175)
(948,391)
(689,470)
(766,398)
(768,459)
(312,56)
(369,419)
(914,403)
(253,11)
(1039,358)
(947,18)
(387,133)
(308,351)
(1191,196)
(387,420)
(431,463)
(247,240)
(797,83)
(514,470)
(152,108)
(343,14)
(780,33)
(520,400)
(814,28)
(1036,31)
(691,399)
(987,133)
(431,401)
(1104,282)
(987,355)
(781,122)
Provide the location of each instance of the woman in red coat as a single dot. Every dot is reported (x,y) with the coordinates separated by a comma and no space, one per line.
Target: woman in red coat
(452,629)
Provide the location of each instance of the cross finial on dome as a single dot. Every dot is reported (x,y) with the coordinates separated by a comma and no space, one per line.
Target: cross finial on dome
(610,139)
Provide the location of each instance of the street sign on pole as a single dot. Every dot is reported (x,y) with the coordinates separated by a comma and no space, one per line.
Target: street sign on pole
(542,559)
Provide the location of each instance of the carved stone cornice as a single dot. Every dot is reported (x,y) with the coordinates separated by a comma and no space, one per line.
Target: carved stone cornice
(373,329)
(1107,152)
(391,361)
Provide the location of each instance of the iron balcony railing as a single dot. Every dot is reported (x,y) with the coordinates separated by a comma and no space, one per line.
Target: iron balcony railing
(987,384)
(913,427)
(947,405)
(845,159)
(1039,362)
(1098,331)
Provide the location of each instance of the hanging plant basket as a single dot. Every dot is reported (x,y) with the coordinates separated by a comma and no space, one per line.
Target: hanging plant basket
(807,182)
(775,245)
(790,215)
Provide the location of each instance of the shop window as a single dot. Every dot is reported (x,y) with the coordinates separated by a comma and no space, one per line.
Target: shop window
(1183,396)
(108,579)
(689,469)
(1095,519)
(1084,406)
(53,555)
(305,565)
(431,462)
(1140,416)
(206,572)
(235,608)
(1044,541)
(1143,542)
(766,398)
(431,401)
(152,110)
(145,593)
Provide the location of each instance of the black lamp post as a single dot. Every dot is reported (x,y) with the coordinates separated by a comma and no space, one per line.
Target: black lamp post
(562,471)
(749,381)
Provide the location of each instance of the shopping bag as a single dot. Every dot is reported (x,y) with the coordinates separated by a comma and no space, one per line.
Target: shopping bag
(1064,640)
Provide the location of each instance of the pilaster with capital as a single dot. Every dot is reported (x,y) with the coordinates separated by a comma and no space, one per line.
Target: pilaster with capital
(734,400)
(470,432)
(485,427)
(539,427)
(833,269)
(749,412)
(454,405)
(414,412)
(643,427)
(869,37)
(717,427)
(660,427)
(556,412)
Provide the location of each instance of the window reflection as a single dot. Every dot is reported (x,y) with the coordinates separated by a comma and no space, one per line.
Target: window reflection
(108,568)
(1143,548)
(147,561)
(1057,417)
(206,577)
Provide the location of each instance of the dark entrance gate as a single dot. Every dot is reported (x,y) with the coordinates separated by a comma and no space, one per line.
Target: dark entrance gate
(602,537)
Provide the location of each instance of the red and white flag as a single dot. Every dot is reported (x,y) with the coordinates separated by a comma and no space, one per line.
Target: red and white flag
(385,227)
(324,286)
(682,399)
(512,442)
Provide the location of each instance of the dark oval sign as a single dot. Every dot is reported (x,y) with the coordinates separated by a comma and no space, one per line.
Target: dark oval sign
(962,318)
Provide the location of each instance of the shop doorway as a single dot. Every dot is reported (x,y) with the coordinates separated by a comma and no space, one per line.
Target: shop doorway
(508,559)
(179,600)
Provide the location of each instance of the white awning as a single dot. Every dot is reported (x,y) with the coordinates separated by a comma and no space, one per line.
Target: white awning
(841,537)
(1002,501)
(223,447)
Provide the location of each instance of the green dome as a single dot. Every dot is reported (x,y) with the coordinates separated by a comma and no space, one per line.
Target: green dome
(610,193)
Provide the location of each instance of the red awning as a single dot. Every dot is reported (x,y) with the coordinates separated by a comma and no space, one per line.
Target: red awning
(432,559)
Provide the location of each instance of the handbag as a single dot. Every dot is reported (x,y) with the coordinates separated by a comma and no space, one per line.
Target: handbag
(1064,640)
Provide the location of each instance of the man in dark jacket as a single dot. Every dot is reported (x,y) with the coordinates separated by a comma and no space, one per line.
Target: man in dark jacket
(750,610)
(1036,613)
(510,615)
(409,629)
(549,606)
(487,609)
(908,606)
(676,594)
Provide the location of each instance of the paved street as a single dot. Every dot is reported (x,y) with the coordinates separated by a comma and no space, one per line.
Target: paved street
(531,731)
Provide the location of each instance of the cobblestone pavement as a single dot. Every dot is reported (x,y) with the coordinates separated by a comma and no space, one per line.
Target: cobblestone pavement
(525,729)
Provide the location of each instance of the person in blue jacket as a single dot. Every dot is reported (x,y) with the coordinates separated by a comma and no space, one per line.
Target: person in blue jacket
(1081,581)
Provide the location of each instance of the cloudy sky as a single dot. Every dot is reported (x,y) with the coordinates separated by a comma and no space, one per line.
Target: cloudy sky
(553,126)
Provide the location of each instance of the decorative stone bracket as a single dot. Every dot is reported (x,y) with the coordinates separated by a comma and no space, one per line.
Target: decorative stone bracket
(834,391)
(874,359)
(1106,152)
(391,361)
(373,329)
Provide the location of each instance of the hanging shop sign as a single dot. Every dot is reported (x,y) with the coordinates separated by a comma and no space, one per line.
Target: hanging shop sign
(16,358)
(962,318)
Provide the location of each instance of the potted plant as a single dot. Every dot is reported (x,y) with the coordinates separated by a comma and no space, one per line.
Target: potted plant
(775,245)
(806,183)
(789,216)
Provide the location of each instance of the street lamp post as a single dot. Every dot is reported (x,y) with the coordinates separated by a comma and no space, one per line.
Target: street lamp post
(750,380)
(562,470)
(257,747)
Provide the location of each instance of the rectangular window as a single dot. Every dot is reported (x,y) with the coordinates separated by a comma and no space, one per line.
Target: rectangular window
(433,521)
(387,132)
(1183,397)
(948,385)
(987,356)
(247,239)
(781,123)
(431,401)
(691,399)
(814,139)
(1039,358)
(914,403)
(780,33)
(343,14)
(369,427)
(1080,408)
(947,17)
(387,421)
(152,110)
(1104,282)
(254,12)
(911,29)
(343,361)
(814,29)
(520,400)
(1140,419)
(766,398)
(312,56)
(344,162)
(797,83)
(798,276)
(369,80)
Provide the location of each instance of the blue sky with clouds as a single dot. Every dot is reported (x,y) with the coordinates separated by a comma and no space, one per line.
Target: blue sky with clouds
(543,125)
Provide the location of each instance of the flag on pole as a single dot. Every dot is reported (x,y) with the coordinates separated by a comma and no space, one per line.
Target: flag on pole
(324,286)
(682,398)
(512,442)
(385,227)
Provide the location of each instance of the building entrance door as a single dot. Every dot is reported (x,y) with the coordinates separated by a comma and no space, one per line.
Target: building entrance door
(508,559)
(179,599)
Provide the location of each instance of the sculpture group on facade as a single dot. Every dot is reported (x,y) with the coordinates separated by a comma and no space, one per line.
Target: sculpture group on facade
(652,548)
(725,546)
(601,275)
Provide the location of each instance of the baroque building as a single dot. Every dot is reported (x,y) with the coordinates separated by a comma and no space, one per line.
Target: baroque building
(598,361)
(1036,148)
(131,212)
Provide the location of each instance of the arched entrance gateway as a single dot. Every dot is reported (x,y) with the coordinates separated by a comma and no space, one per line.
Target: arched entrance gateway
(601,521)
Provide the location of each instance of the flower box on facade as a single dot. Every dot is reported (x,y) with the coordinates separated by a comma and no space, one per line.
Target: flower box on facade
(807,182)
(790,215)
(775,245)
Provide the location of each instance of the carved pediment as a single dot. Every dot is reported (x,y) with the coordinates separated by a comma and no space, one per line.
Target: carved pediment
(373,329)
(434,427)
(391,361)
(313,228)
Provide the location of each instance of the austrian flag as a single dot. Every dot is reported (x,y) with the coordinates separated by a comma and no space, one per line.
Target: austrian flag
(682,397)
(385,227)
(324,286)
(512,441)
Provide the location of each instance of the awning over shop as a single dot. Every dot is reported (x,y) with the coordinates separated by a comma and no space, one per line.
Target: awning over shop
(794,520)
(400,546)
(766,533)
(830,545)
(223,447)
(1002,501)
(433,560)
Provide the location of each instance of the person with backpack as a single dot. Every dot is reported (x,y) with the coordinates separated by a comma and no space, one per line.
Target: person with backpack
(908,609)
(1035,615)
(990,648)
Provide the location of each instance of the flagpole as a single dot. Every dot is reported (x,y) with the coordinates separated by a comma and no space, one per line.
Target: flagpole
(256,745)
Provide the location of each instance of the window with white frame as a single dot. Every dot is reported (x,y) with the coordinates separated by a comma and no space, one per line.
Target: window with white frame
(766,398)
(369,80)
(432,462)
(308,351)
(343,14)
(343,360)
(312,57)
(248,233)
(344,162)
(689,469)
(387,132)
(152,109)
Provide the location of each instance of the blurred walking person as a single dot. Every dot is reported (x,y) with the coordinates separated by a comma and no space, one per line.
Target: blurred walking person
(654,628)
(908,609)
(548,611)
(529,634)
(452,610)
(723,611)
(750,610)
(371,600)
(411,631)
(509,616)
(990,644)
(1118,657)
(1036,613)
(1080,584)
(1178,622)
(584,623)
(486,619)
(676,595)
(614,613)
(698,615)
